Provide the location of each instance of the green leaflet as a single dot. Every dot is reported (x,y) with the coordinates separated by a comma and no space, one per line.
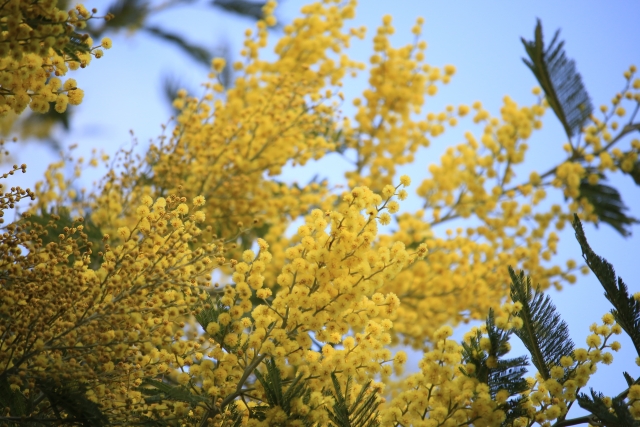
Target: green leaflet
(607,204)
(244,8)
(127,14)
(232,417)
(559,80)
(544,333)
(198,53)
(361,412)
(569,100)
(10,399)
(505,374)
(158,391)
(617,415)
(210,312)
(626,309)
(71,400)
(74,47)
(277,396)
(54,224)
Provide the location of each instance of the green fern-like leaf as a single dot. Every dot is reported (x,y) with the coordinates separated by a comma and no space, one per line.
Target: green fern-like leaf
(170,87)
(127,14)
(247,9)
(75,46)
(12,400)
(198,53)
(607,204)
(361,412)
(210,312)
(629,379)
(559,80)
(504,374)
(71,401)
(277,396)
(272,384)
(626,309)
(544,333)
(617,415)
(232,417)
(158,391)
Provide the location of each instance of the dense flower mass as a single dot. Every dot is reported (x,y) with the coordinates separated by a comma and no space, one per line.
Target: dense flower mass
(39,44)
(179,289)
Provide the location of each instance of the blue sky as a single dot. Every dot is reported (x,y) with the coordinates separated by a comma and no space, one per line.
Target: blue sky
(481,38)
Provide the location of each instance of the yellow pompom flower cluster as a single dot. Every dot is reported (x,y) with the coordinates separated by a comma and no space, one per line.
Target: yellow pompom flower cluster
(386,132)
(276,112)
(326,293)
(39,45)
(107,312)
(440,394)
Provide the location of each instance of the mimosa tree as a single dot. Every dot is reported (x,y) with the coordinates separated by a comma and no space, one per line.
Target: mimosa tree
(171,294)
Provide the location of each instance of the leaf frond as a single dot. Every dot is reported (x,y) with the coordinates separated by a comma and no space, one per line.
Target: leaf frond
(247,9)
(616,415)
(626,309)
(129,14)
(158,391)
(544,333)
(560,81)
(495,371)
(277,396)
(361,412)
(198,53)
(608,205)
(72,400)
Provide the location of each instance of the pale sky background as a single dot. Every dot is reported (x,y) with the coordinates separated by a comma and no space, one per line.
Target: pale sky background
(481,38)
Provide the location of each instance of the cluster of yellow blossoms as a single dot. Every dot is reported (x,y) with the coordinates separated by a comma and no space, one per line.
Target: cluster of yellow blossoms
(38,45)
(65,317)
(114,290)
(440,395)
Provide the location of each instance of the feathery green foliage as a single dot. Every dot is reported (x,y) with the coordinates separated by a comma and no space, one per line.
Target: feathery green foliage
(570,101)
(498,373)
(71,399)
(559,80)
(615,415)
(160,390)
(361,412)
(607,203)
(200,54)
(626,309)
(126,14)
(13,400)
(75,46)
(233,416)
(628,378)
(209,313)
(543,333)
(277,396)
(165,391)
(247,9)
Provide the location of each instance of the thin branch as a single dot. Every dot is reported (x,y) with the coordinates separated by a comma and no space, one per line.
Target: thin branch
(588,419)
